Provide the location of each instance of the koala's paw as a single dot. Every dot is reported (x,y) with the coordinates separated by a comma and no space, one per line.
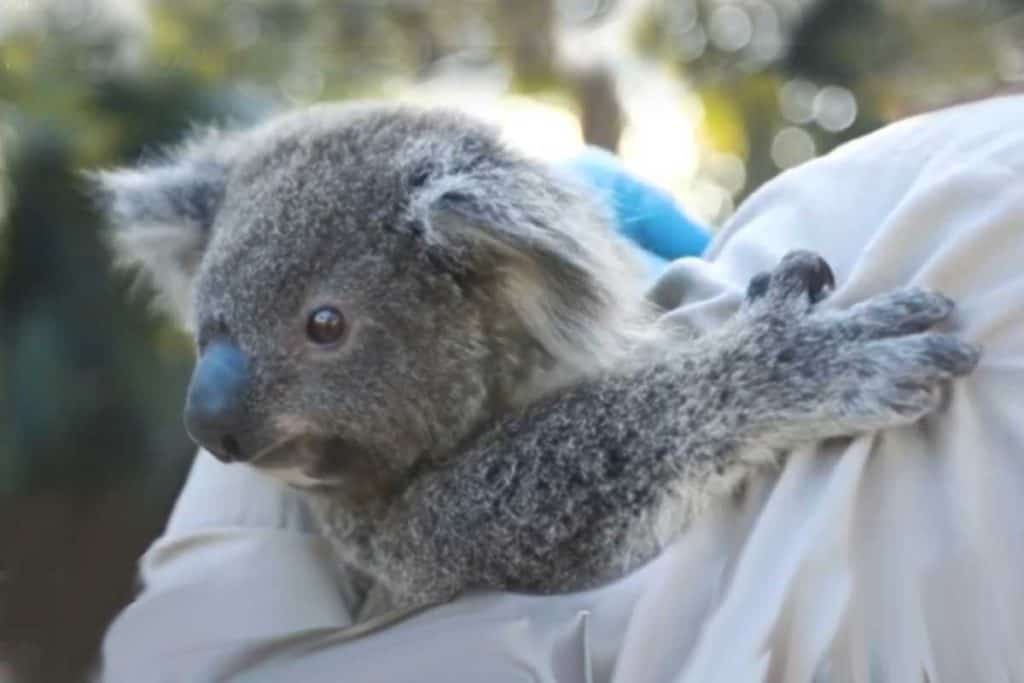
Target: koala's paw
(835,373)
(801,280)
(893,367)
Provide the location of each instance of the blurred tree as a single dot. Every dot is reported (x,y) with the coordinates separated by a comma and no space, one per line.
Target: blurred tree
(92,449)
(801,76)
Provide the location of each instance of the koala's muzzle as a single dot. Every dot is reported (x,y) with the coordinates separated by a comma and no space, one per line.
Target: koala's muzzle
(215,406)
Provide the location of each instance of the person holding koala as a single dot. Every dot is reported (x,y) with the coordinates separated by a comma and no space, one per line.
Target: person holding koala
(685,418)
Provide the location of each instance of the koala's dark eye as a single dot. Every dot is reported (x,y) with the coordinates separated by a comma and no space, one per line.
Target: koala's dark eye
(325,325)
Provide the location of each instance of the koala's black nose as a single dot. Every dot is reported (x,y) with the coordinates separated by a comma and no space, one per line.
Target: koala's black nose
(215,406)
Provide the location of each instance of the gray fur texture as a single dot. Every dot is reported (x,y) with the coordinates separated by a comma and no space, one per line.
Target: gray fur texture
(504,410)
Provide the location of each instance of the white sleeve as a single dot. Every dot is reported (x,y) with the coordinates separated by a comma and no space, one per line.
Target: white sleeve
(238,565)
(873,559)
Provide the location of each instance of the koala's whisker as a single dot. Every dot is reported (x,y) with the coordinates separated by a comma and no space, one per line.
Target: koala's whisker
(273,448)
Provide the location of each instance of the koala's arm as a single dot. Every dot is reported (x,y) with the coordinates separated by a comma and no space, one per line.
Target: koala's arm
(560,496)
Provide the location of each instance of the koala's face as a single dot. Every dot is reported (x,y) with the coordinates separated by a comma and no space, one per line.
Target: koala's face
(367,286)
(351,353)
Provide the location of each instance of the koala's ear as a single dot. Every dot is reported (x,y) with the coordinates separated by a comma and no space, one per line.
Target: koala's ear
(161,217)
(575,285)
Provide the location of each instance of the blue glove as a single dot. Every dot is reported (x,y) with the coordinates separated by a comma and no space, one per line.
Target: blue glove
(645,214)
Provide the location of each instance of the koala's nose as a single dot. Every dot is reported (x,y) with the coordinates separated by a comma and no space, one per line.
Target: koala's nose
(215,406)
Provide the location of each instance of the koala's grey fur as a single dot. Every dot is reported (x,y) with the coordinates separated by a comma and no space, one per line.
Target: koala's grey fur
(506,410)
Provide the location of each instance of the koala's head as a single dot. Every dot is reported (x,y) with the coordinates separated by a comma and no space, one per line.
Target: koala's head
(368,285)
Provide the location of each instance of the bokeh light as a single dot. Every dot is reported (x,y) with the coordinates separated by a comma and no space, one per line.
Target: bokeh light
(692,43)
(792,146)
(796,100)
(730,28)
(835,108)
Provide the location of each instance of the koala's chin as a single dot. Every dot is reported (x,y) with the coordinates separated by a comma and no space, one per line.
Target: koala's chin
(332,465)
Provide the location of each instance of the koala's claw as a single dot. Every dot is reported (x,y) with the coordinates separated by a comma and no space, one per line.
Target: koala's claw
(909,374)
(799,274)
(758,286)
(949,356)
(899,313)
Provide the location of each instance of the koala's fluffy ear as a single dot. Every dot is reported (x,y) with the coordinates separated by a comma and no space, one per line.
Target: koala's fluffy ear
(575,285)
(162,217)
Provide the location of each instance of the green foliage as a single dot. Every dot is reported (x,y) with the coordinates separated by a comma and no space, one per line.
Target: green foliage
(91,379)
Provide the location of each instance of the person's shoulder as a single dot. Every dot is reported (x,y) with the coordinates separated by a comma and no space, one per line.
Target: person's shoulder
(980,132)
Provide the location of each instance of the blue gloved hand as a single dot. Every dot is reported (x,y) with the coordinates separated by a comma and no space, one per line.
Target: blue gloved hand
(645,214)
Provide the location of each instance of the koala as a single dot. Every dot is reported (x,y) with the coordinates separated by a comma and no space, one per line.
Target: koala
(445,345)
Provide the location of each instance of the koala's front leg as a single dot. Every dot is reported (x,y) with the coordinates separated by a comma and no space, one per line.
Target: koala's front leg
(556,498)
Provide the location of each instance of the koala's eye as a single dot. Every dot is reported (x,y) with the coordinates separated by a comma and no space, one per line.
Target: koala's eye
(326,325)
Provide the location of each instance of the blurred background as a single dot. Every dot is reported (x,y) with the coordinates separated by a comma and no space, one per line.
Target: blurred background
(706,98)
